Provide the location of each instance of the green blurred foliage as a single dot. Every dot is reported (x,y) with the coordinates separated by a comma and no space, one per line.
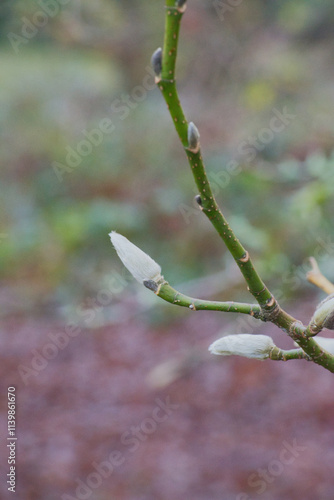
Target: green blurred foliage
(91,57)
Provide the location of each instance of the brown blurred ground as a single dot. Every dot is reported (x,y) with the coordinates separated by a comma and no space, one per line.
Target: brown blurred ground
(233,417)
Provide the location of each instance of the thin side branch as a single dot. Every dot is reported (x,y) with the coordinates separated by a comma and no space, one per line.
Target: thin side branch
(316,277)
(169,294)
(282,355)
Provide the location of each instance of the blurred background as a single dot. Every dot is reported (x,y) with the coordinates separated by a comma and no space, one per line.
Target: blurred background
(104,372)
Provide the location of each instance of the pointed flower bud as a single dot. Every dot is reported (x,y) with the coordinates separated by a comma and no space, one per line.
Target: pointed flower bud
(140,265)
(249,346)
(323,316)
(156,61)
(193,137)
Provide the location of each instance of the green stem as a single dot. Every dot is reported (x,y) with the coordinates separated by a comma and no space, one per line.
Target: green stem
(172,28)
(209,205)
(168,293)
(282,355)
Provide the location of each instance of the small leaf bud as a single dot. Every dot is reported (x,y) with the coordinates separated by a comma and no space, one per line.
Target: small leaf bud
(198,200)
(193,138)
(156,61)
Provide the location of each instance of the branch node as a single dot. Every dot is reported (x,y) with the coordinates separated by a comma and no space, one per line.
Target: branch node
(297,330)
(271,302)
(271,310)
(245,257)
(181,5)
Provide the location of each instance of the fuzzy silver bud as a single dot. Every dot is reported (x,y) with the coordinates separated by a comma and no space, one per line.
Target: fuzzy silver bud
(246,345)
(141,266)
(193,138)
(323,316)
(156,61)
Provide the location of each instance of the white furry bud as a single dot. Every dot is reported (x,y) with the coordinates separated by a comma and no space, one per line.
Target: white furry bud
(140,265)
(324,314)
(249,346)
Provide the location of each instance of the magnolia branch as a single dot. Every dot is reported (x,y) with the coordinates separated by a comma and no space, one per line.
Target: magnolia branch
(148,272)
